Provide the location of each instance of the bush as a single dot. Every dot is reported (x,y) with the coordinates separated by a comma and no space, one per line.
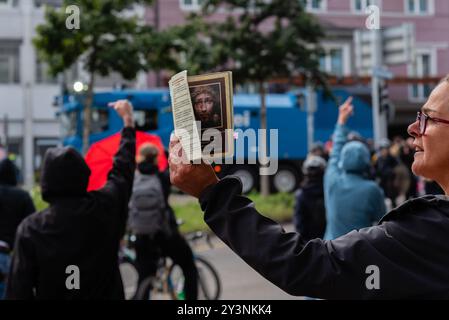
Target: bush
(39,203)
(278,207)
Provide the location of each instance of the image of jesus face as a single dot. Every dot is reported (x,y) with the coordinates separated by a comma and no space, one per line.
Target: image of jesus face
(204,105)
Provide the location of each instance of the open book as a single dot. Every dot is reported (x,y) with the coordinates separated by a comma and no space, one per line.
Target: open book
(203,114)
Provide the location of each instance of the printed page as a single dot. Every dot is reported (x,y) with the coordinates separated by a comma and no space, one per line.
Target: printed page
(183,116)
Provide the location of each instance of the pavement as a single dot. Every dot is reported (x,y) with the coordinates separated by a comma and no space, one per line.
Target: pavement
(239,281)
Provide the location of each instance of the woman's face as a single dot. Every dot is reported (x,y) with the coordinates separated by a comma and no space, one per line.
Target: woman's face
(203,105)
(431,159)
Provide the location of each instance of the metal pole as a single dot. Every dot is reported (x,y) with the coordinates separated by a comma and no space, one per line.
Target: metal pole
(5,131)
(156,27)
(377,57)
(311,108)
(27,80)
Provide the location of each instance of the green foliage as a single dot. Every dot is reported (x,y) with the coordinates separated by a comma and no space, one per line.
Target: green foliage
(182,47)
(107,40)
(260,49)
(278,207)
(267,39)
(39,203)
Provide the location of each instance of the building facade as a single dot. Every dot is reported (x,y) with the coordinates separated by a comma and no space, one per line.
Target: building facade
(28,118)
(340,18)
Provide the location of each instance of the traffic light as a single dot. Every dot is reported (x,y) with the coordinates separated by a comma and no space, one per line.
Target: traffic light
(385,104)
(384,99)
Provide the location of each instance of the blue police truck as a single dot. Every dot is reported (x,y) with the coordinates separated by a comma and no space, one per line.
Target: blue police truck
(285,112)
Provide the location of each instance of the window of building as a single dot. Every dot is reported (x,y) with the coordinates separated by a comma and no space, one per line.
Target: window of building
(145,120)
(69,122)
(9,61)
(336,61)
(315,5)
(42,74)
(424,66)
(6,69)
(359,6)
(9,72)
(190,5)
(52,3)
(99,120)
(419,7)
(7,3)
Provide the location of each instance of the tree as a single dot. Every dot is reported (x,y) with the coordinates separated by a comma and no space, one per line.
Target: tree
(267,39)
(105,38)
(183,47)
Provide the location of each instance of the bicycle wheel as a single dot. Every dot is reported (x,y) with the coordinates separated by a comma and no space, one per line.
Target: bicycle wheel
(209,284)
(143,292)
(130,277)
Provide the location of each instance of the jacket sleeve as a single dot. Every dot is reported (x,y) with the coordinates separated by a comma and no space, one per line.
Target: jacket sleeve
(22,273)
(298,210)
(28,206)
(118,189)
(365,264)
(339,140)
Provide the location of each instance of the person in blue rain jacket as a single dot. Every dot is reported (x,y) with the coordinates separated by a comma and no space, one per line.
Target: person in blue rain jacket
(352,200)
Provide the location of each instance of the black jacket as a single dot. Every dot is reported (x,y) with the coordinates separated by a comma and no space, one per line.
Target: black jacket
(410,248)
(15,204)
(309,213)
(79,228)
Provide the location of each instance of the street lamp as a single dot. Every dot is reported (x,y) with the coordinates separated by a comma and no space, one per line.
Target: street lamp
(78,86)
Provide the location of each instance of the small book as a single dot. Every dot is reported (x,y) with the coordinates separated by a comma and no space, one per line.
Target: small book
(203,114)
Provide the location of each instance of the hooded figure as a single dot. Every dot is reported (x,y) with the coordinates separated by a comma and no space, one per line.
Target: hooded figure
(69,250)
(309,215)
(8,173)
(15,205)
(352,200)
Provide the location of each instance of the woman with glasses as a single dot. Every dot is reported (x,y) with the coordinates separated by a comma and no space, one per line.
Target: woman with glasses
(405,256)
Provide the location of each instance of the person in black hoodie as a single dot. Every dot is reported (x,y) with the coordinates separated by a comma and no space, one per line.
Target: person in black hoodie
(405,256)
(15,205)
(310,214)
(70,250)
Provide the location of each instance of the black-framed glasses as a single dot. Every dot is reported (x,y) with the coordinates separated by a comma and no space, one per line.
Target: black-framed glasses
(423,118)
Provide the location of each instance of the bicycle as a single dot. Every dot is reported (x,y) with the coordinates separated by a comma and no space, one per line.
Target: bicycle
(168,283)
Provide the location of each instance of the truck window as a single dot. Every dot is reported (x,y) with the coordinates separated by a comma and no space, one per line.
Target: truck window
(145,120)
(99,120)
(68,123)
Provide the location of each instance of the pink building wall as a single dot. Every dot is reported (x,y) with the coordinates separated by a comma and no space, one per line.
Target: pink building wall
(432,33)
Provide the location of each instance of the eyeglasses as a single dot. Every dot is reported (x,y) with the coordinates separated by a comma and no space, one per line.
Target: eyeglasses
(205,101)
(422,119)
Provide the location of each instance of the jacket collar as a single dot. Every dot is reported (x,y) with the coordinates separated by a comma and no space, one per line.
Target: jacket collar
(427,200)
